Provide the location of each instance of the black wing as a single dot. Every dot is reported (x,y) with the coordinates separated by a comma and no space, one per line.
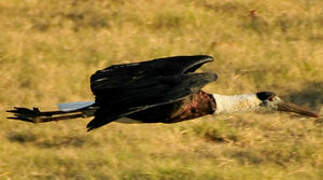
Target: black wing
(128,88)
(146,93)
(121,76)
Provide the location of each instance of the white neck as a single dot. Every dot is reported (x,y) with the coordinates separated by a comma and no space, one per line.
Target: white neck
(236,103)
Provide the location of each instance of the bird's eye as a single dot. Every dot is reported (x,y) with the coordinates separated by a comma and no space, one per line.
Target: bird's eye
(271,98)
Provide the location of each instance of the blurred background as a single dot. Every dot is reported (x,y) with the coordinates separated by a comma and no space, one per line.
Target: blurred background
(49,49)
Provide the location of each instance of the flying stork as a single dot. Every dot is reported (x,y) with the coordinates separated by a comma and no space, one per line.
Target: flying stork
(164,90)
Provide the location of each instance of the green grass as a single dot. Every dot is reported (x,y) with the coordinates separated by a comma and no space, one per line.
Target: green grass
(49,49)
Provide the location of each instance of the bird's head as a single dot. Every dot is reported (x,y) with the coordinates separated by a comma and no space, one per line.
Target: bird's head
(269,102)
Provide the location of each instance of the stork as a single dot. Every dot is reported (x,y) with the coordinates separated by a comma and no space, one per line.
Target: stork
(163,90)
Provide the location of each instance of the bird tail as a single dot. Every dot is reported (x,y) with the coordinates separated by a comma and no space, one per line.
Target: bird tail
(66,111)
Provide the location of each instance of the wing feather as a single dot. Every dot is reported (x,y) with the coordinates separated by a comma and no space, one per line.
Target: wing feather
(147,93)
(124,75)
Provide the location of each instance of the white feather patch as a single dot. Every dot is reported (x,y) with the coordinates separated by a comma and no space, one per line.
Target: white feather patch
(236,103)
(74,105)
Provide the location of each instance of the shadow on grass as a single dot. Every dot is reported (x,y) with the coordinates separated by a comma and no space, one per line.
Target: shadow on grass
(50,142)
(59,142)
(21,137)
(311,95)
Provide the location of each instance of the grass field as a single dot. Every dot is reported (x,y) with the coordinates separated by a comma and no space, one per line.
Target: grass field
(49,49)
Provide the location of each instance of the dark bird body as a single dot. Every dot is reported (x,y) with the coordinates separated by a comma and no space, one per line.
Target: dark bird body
(193,106)
(164,90)
(161,90)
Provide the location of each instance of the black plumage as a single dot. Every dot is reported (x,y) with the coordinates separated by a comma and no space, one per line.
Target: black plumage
(121,90)
(162,90)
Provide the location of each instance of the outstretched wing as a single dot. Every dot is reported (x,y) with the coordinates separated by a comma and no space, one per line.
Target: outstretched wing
(146,93)
(121,76)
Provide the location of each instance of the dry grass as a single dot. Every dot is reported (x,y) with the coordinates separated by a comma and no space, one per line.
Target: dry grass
(48,50)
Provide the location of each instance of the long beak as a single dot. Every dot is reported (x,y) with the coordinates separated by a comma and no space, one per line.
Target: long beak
(290,107)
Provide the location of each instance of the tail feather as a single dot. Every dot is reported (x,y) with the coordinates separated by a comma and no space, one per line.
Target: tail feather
(36,116)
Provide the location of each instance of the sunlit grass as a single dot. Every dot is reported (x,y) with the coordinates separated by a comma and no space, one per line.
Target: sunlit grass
(49,49)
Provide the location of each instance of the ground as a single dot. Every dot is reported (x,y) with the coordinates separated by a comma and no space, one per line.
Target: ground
(49,49)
